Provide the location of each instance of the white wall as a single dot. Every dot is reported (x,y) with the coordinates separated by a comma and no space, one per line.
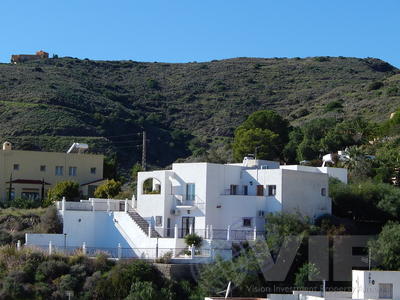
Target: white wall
(41,239)
(339,173)
(96,229)
(302,193)
(366,283)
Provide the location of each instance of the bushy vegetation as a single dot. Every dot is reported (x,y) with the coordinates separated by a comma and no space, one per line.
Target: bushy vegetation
(68,189)
(27,274)
(14,223)
(108,189)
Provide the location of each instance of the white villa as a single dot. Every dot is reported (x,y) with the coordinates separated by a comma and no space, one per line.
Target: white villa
(223,203)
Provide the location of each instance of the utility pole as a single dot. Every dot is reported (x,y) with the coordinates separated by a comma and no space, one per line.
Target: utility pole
(144,151)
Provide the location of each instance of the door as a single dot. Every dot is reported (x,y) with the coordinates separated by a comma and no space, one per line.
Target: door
(187,223)
(260,190)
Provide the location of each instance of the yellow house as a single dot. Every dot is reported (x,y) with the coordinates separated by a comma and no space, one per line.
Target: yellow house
(32,173)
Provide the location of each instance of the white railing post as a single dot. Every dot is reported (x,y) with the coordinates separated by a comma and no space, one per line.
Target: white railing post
(192,249)
(206,235)
(63,204)
(84,248)
(255,233)
(50,248)
(126,205)
(133,201)
(176,231)
(18,245)
(119,251)
(228,233)
(211,233)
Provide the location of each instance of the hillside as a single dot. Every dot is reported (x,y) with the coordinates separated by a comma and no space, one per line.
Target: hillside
(50,103)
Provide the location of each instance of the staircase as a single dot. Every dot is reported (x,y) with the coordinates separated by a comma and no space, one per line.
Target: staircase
(142,223)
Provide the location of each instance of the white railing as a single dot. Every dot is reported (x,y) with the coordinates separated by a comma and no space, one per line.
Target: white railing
(95,204)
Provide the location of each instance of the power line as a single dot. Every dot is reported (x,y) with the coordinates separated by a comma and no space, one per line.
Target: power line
(144,151)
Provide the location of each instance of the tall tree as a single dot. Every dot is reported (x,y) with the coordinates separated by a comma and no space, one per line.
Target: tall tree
(264,132)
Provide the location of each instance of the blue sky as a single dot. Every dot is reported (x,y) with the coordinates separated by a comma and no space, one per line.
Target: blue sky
(201,30)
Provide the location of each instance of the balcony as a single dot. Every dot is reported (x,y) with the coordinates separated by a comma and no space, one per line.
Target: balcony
(180,202)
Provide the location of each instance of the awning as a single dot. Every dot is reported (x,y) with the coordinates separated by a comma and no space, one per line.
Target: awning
(28,181)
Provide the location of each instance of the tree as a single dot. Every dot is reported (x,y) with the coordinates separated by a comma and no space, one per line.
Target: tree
(281,225)
(143,290)
(265,130)
(68,189)
(305,274)
(364,200)
(385,250)
(264,141)
(193,239)
(110,167)
(290,150)
(109,189)
(358,163)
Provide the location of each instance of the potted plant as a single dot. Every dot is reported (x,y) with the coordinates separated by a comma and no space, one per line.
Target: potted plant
(192,240)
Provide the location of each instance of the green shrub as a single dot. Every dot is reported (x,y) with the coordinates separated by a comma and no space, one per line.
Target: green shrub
(165,259)
(24,203)
(50,222)
(321,58)
(393,91)
(193,239)
(333,106)
(143,291)
(153,84)
(376,85)
(68,189)
(50,270)
(5,237)
(109,189)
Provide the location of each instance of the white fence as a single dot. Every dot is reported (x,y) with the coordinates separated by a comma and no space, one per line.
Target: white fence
(94,204)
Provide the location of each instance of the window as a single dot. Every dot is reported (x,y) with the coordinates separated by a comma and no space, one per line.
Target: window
(16,167)
(92,170)
(72,171)
(11,195)
(260,190)
(246,222)
(245,190)
(42,168)
(59,170)
(30,195)
(385,291)
(323,192)
(233,189)
(158,221)
(271,190)
(190,191)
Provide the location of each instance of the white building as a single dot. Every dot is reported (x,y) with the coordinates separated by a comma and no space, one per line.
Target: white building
(234,196)
(222,203)
(365,285)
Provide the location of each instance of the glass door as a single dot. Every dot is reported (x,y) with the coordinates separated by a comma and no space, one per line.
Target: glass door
(190,192)
(187,223)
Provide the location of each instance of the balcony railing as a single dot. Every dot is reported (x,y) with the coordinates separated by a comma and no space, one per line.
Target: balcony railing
(181,200)
(216,234)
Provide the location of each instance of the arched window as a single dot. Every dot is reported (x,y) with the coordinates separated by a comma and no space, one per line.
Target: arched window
(151,186)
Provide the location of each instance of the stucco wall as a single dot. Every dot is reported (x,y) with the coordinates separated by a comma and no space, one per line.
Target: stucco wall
(366,283)
(302,193)
(29,168)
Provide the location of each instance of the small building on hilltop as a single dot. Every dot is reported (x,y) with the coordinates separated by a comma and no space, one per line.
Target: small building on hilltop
(20,58)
